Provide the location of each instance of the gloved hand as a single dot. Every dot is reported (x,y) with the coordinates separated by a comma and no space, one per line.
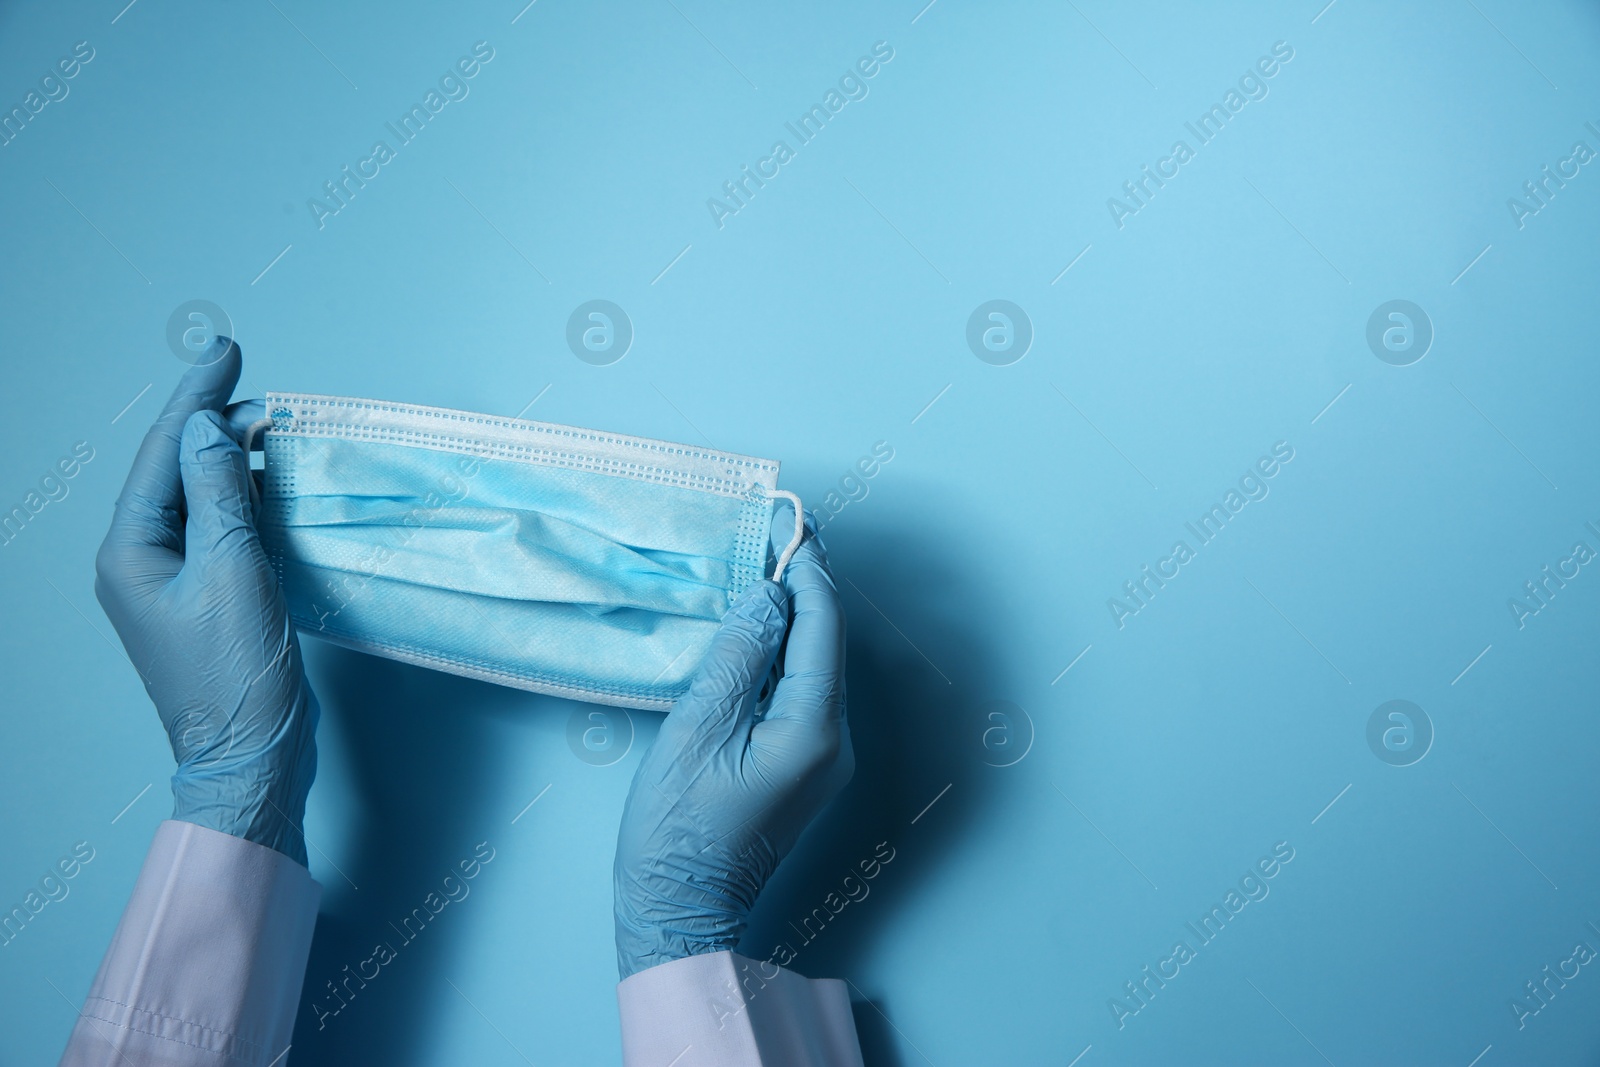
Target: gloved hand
(183,578)
(724,793)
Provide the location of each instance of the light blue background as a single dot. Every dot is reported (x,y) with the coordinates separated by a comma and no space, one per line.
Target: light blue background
(824,317)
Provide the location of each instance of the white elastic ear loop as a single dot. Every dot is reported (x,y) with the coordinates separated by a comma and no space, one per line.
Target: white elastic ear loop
(251,432)
(799,531)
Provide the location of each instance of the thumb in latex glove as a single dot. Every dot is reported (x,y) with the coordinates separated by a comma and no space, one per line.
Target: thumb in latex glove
(724,793)
(185,582)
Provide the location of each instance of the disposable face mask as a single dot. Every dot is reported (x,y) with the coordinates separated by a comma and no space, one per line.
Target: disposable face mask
(565,561)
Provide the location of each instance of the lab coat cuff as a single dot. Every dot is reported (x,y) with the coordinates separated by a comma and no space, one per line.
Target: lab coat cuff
(207,963)
(722,1009)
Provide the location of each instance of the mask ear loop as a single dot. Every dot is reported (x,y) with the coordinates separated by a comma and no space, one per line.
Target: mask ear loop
(251,432)
(799,531)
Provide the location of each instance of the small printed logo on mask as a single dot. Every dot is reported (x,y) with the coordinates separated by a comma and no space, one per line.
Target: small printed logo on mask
(599,736)
(191,328)
(999,333)
(1399,733)
(1399,333)
(599,332)
(1007,733)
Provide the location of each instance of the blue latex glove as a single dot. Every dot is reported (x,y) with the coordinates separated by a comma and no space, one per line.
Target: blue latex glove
(724,793)
(183,578)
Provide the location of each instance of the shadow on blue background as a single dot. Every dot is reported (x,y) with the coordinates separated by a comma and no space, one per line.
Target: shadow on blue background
(417,759)
(418,753)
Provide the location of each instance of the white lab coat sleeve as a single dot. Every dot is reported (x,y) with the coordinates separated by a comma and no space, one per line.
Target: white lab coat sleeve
(725,1010)
(206,966)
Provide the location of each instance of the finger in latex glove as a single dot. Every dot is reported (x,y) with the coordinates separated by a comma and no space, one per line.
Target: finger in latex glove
(184,580)
(725,791)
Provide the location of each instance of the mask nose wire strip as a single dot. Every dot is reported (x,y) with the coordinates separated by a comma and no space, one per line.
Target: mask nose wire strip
(251,432)
(799,531)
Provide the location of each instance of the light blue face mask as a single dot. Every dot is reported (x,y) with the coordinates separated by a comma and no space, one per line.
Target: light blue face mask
(572,562)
